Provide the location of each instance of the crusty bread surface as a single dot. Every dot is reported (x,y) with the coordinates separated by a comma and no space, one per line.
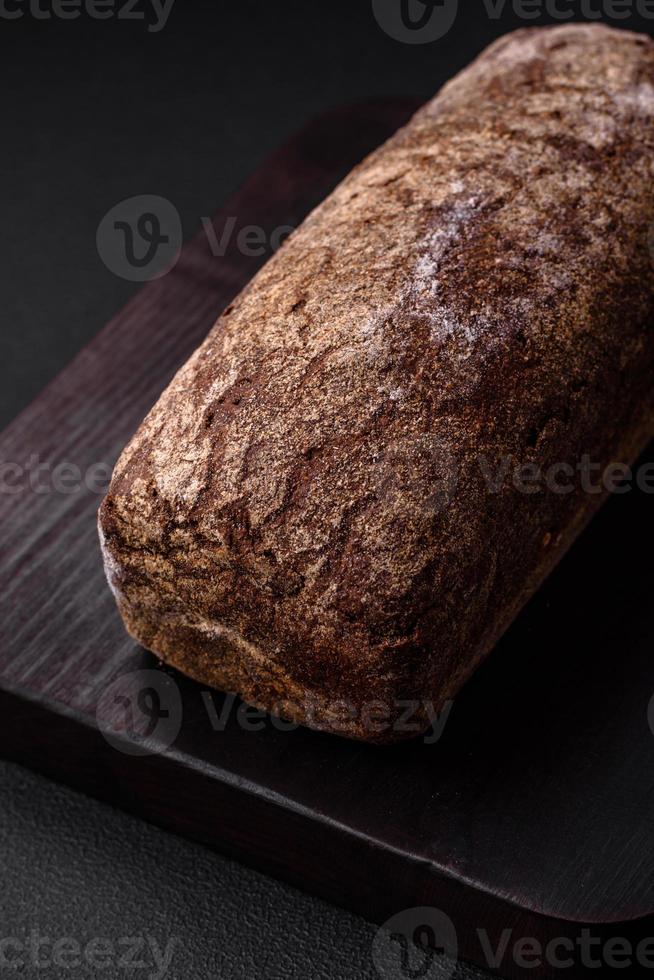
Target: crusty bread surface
(305,518)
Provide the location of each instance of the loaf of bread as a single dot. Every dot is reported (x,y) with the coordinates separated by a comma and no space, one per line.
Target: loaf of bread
(322,514)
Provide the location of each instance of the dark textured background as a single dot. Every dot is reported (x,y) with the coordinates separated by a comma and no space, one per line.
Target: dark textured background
(93,112)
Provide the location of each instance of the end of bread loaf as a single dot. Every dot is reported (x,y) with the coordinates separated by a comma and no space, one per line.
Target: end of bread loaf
(332,669)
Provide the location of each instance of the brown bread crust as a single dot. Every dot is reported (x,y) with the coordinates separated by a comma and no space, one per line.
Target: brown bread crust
(303,518)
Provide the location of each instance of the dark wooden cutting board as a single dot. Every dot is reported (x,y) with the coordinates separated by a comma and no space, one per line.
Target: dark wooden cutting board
(535,809)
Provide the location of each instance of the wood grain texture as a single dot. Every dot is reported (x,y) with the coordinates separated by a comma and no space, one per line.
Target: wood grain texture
(534,809)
